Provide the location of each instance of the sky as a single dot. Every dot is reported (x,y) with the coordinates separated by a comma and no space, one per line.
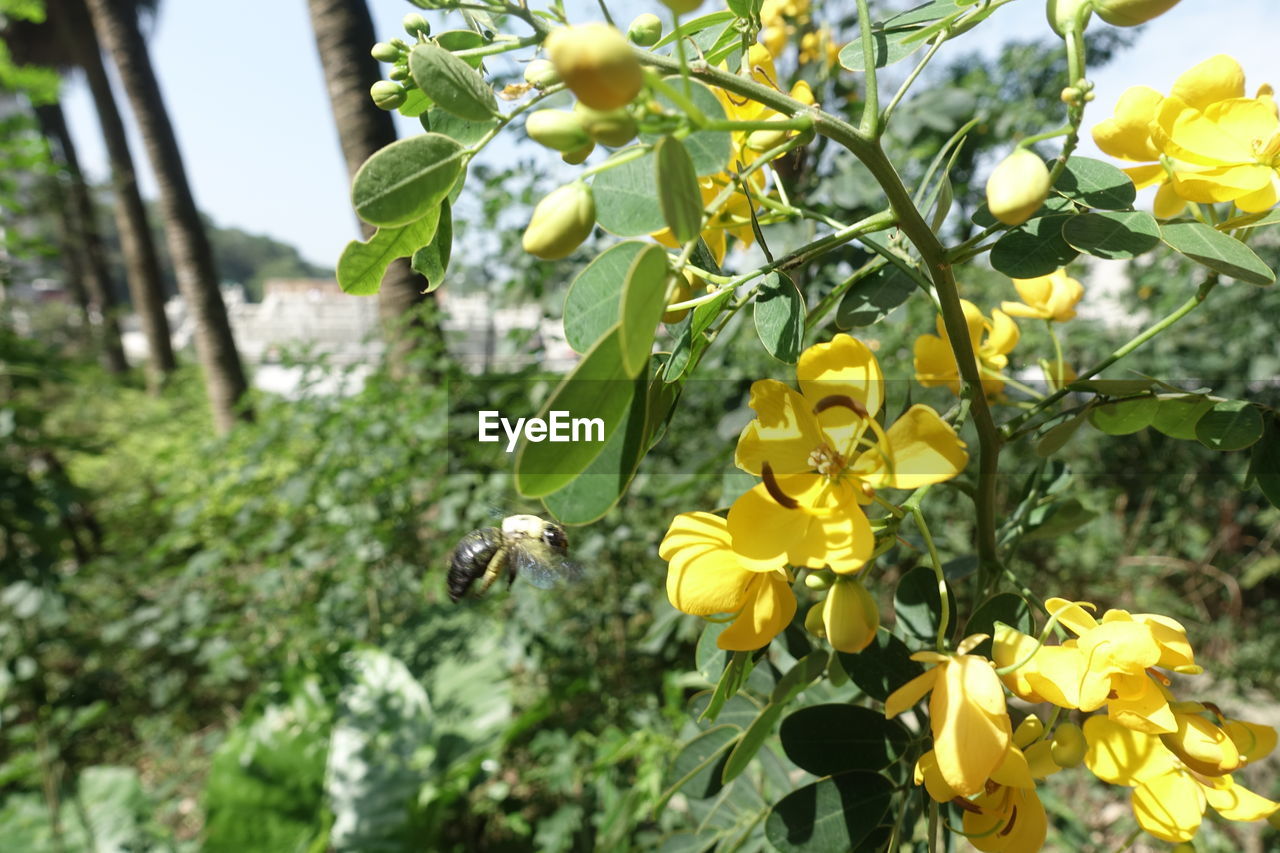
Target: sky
(246,94)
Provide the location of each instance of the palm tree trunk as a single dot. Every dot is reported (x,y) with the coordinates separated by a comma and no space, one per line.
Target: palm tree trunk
(344,34)
(117,28)
(141,262)
(82,223)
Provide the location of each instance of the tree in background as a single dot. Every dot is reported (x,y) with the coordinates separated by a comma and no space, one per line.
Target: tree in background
(116,25)
(343,33)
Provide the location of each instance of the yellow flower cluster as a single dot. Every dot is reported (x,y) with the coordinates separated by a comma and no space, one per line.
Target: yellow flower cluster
(821,454)
(1210,143)
(782,19)
(1177,756)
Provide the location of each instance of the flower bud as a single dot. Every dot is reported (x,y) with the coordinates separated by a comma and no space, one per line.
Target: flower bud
(645,30)
(1130,13)
(597,64)
(1017,187)
(540,74)
(614,128)
(1068,745)
(387,94)
(682,7)
(556,129)
(1028,731)
(577,155)
(384,52)
(560,222)
(850,615)
(400,45)
(399,73)
(763,140)
(1201,745)
(684,291)
(819,580)
(1062,12)
(416,25)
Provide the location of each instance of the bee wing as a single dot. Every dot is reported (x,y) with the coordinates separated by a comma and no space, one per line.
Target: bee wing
(543,569)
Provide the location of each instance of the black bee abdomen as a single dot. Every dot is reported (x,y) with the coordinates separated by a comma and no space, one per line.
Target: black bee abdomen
(471,558)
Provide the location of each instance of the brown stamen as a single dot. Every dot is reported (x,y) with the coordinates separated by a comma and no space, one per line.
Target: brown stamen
(843,400)
(1013,817)
(775,491)
(966,806)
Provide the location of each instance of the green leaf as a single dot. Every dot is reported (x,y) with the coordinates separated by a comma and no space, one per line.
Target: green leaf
(1058,519)
(1215,250)
(1178,415)
(835,738)
(872,299)
(1264,462)
(831,814)
(1251,220)
(678,194)
(1112,387)
(415,104)
(731,679)
(461,130)
(405,180)
(696,770)
(1124,417)
(1034,248)
(916,604)
(889,47)
(1230,425)
(751,741)
(695,25)
(626,203)
(1096,184)
(643,300)
(456,40)
(1055,438)
(692,342)
(710,150)
(602,483)
(881,667)
(1113,235)
(432,260)
(453,84)
(591,305)
(599,387)
(806,671)
(779,316)
(364,263)
(1053,204)
(1006,607)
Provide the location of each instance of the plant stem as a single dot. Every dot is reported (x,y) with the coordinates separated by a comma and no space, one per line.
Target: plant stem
(870,124)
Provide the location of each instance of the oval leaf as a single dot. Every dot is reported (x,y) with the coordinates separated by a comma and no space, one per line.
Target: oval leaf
(453,84)
(678,192)
(1177,416)
(830,814)
(779,316)
(599,387)
(1124,417)
(1033,249)
(644,299)
(888,48)
(710,150)
(872,299)
(626,204)
(406,179)
(695,770)
(1113,235)
(1229,425)
(751,741)
(1215,250)
(1096,184)
(432,260)
(1055,438)
(363,264)
(591,305)
(836,738)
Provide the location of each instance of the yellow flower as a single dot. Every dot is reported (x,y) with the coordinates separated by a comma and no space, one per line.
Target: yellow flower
(1107,664)
(1169,798)
(818,465)
(967,715)
(848,617)
(705,578)
(992,340)
(1049,297)
(1213,144)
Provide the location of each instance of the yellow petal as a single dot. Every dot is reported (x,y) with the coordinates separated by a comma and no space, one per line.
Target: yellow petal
(1168,203)
(769,608)
(1123,756)
(1040,759)
(1071,615)
(1253,740)
(1004,333)
(763,531)
(1169,806)
(1146,176)
(927,772)
(1147,711)
(1175,650)
(1236,803)
(910,693)
(704,576)
(971,729)
(842,540)
(1263,198)
(1014,771)
(935,364)
(1127,135)
(1119,647)
(920,448)
(1201,745)
(1187,134)
(844,366)
(1215,79)
(783,433)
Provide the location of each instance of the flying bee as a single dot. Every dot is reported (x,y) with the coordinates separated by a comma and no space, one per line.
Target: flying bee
(524,545)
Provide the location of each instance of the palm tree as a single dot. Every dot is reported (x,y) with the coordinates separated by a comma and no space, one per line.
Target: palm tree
(116,25)
(344,34)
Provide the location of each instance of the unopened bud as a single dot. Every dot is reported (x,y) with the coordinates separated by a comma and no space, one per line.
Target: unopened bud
(1202,746)
(387,94)
(1028,731)
(540,74)
(384,52)
(850,615)
(1017,187)
(560,130)
(1061,14)
(614,128)
(682,7)
(763,140)
(400,45)
(400,72)
(1131,13)
(560,222)
(416,25)
(819,580)
(1068,745)
(597,64)
(645,30)
(578,155)
(1071,96)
